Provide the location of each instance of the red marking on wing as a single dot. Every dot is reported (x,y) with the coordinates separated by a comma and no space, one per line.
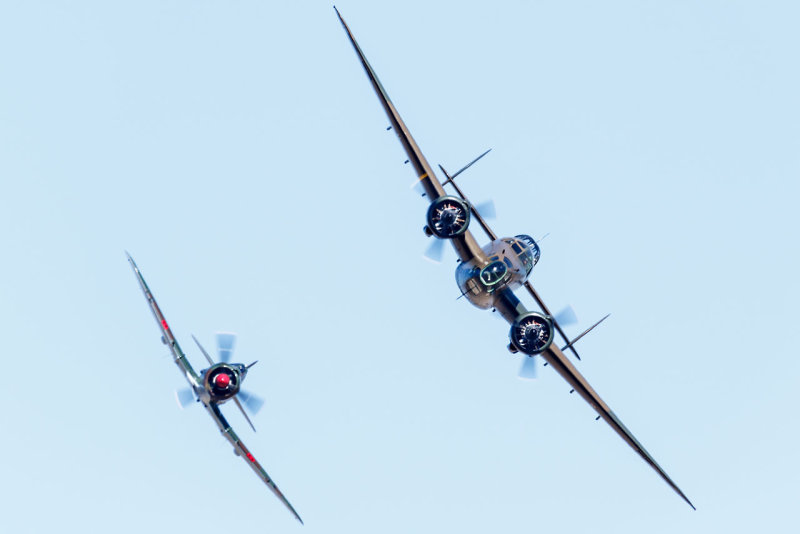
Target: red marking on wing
(164,324)
(250,457)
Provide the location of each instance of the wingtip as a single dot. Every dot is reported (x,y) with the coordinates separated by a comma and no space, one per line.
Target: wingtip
(133,263)
(345,26)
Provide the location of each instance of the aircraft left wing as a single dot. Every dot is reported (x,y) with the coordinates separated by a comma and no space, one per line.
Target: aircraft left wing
(166,334)
(564,367)
(240,450)
(465,245)
(433,188)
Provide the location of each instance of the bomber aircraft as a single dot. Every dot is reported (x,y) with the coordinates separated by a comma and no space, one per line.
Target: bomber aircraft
(213,386)
(487,276)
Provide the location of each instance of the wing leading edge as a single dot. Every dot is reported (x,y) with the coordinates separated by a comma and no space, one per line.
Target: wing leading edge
(242,451)
(465,245)
(564,367)
(424,171)
(166,334)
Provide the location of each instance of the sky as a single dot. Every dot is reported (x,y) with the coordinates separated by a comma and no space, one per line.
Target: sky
(237,151)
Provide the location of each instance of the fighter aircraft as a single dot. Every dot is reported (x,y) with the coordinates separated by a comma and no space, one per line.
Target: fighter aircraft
(487,276)
(214,386)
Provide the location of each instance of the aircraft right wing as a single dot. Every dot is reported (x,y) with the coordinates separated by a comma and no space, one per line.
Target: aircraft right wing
(166,334)
(241,450)
(564,367)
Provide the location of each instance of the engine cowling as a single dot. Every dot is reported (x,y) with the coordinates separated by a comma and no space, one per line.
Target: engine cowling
(221,381)
(532,333)
(448,217)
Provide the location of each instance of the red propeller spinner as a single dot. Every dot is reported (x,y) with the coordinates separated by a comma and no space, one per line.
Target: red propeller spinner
(222,380)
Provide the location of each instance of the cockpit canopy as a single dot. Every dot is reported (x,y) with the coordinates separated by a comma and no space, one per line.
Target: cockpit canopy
(527,250)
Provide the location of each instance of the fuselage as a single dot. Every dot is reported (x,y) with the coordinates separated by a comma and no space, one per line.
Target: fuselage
(502,266)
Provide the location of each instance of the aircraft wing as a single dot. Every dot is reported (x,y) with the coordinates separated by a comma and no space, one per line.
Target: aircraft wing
(433,188)
(166,334)
(466,246)
(240,450)
(564,367)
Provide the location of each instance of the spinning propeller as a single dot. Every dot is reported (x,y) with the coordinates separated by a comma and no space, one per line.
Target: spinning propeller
(435,250)
(484,210)
(527,370)
(184,396)
(225,344)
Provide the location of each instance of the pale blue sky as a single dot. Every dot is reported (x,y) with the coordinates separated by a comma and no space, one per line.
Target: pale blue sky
(238,152)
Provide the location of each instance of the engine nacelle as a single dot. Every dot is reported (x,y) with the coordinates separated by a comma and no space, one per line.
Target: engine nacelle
(222,381)
(531,333)
(448,217)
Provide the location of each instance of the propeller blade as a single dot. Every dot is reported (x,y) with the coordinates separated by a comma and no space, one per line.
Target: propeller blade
(251,401)
(566,316)
(486,209)
(435,250)
(239,405)
(527,370)
(418,188)
(464,168)
(184,397)
(571,343)
(225,344)
(210,361)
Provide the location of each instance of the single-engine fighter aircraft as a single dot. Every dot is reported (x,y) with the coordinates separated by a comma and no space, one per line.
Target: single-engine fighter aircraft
(487,276)
(219,383)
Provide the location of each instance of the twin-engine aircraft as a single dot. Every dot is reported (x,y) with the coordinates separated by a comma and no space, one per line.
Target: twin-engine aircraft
(487,276)
(213,386)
